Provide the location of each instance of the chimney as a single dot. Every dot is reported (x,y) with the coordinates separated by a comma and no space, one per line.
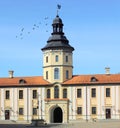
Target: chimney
(11,73)
(107,71)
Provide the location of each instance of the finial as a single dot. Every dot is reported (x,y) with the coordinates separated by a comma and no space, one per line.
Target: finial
(58,8)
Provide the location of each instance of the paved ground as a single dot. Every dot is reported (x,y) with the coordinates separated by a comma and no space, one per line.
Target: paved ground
(99,124)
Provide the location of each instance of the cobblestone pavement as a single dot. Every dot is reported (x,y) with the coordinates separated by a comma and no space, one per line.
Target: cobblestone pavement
(101,124)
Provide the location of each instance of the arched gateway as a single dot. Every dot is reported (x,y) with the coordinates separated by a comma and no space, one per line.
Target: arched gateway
(56,115)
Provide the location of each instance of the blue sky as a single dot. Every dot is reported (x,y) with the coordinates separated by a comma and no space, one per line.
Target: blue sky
(91,26)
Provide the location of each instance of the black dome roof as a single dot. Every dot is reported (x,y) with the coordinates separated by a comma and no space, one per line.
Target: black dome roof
(57,20)
(58,40)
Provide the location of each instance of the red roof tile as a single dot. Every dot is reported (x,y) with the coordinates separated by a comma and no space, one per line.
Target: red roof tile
(15,81)
(99,79)
(78,79)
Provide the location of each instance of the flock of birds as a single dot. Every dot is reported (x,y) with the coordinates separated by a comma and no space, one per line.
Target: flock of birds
(34,27)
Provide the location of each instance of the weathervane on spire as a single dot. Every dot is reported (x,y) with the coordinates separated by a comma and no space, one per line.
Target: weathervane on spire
(58,8)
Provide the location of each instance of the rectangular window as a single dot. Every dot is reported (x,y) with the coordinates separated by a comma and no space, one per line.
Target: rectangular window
(79,93)
(34,94)
(21,111)
(56,92)
(20,94)
(66,58)
(48,93)
(7,94)
(79,110)
(67,74)
(93,92)
(107,92)
(34,111)
(56,58)
(65,93)
(46,75)
(56,73)
(93,110)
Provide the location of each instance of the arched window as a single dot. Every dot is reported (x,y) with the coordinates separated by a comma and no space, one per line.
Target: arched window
(64,93)
(48,93)
(56,73)
(56,92)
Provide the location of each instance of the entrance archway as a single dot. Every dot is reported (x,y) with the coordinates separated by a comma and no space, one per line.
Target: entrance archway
(57,115)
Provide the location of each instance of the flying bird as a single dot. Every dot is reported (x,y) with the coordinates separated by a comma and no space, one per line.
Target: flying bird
(33,28)
(21,34)
(22,29)
(46,18)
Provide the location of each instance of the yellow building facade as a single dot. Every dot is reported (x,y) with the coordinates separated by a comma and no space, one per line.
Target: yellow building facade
(59,96)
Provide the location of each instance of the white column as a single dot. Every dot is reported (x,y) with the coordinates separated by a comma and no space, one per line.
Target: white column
(43,102)
(70,103)
(117,102)
(98,92)
(15,106)
(113,102)
(12,103)
(25,103)
(74,103)
(84,103)
(88,102)
(102,102)
(2,104)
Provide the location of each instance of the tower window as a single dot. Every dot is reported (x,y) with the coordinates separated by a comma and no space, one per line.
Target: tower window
(65,93)
(46,59)
(67,74)
(56,92)
(46,75)
(56,73)
(56,58)
(48,93)
(66,58)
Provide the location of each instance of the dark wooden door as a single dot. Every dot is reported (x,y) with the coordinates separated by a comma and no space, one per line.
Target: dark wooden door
(7,114)
(108,113)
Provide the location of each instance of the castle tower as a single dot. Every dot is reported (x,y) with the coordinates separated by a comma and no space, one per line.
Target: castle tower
(57,55)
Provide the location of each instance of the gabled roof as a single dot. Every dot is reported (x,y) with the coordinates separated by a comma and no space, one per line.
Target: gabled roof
(98,79)
(23,81)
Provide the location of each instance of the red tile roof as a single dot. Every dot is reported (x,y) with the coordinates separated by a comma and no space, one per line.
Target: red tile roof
(75,80)
(94,79)
(23,81)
